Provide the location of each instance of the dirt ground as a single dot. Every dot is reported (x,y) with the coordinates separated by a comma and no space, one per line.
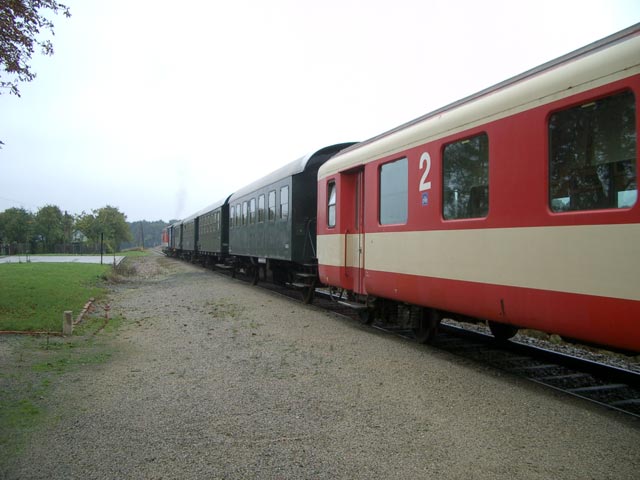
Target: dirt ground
(213,378)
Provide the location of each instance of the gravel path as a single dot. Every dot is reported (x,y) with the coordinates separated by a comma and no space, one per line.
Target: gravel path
(214,378)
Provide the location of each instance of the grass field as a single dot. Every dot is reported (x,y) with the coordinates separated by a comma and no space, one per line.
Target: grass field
(33,296)
(34,366)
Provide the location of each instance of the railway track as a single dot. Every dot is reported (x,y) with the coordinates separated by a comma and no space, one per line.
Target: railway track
(612,387)
(606,385)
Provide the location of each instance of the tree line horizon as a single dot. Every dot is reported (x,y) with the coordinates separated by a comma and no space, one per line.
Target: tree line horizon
(50,230)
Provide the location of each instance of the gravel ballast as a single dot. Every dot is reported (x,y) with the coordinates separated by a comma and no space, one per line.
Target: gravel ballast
(214,378)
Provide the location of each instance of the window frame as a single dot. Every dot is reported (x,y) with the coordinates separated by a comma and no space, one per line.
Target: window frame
(283,213)
(271,208)
(252,211)
(245,213)
(589,183)
(261,208)
(485,192)
(332,207)
(386,198)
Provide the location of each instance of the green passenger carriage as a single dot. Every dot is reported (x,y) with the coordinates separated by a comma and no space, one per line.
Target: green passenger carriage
(272,222)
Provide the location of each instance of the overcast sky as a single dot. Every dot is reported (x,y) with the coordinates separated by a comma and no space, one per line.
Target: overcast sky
(161,108)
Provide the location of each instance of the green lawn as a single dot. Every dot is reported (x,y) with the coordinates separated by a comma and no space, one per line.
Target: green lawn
(33,296)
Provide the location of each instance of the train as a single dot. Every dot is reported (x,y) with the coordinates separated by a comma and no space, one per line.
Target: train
(516,206)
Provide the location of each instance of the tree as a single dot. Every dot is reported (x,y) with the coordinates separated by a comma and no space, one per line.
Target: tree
(86,223)
(21,22)
(107,221)
(16,225)
(49,226)
(114,225)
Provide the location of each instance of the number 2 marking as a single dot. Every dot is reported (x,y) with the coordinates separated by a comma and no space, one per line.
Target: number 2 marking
(425,163)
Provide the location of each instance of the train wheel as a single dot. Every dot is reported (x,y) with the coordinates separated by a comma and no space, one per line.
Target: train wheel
(426,326)
(502,331)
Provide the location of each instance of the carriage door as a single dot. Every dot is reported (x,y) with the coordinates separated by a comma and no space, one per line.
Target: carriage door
(354,232)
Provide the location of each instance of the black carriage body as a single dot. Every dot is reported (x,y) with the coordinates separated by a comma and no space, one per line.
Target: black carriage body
(212,231)
(190,234)
(274,217)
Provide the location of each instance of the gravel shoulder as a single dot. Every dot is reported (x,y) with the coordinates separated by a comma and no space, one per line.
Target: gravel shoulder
(213,378)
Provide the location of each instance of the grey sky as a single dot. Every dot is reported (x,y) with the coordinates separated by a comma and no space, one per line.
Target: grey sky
(161,108)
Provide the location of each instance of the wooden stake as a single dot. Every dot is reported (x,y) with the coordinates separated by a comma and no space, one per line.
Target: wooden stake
(67,323)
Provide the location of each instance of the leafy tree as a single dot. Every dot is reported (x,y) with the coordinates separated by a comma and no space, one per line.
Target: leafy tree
(21,22)
(107,221)
(49,226)
(16,225)
(86,223)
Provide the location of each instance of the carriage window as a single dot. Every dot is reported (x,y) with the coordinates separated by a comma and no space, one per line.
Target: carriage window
(238,216)
(331,205)
(252,210)
(261,208)
(245,213)
(284,202)
(465,178)
(592,155)
(394,192)
(272,206)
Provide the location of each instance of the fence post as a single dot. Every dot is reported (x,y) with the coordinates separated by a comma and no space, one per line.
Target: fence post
(67,323)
